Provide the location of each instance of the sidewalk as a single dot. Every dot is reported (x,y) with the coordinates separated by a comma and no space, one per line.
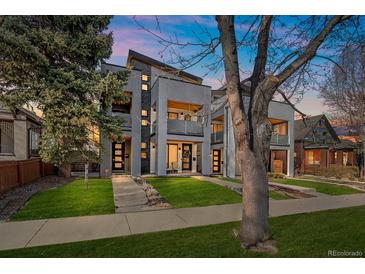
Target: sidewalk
(63,230)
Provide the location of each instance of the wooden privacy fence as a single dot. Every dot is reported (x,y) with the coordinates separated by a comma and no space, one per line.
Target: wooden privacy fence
(20,173)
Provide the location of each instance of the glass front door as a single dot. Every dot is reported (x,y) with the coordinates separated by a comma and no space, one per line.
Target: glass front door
(186,156)
(118,150)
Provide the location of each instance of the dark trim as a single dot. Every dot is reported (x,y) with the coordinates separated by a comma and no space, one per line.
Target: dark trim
(118,66)
(153,62)
(190,156)
(279,145)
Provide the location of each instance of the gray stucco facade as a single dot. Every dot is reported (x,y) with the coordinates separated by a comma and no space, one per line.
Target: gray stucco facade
(156,91)
(132,132)
(283,145)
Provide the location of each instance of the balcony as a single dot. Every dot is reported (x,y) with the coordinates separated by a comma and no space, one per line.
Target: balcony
(282,140)
(184,127)
(127,119)
(216,137)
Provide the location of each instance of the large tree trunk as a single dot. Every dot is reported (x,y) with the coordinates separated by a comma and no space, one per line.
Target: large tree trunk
(254,225)
(86,174)
(65,171)
(251,155)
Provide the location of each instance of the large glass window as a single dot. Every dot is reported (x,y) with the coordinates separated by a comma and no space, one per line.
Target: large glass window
(280,129)
(172,115)
(171,156)
(6,136)
(312,157)
(217,127)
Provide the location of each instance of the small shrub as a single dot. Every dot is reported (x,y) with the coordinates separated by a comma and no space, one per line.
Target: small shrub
(275,175)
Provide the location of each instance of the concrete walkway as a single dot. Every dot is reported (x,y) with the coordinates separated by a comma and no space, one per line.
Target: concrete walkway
(128,195)
(63,230)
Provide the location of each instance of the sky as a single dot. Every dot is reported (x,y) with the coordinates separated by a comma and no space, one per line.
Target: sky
(128,34)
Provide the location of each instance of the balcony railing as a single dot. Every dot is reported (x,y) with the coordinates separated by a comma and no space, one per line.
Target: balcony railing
(216,137)
(127,119)
(279,139)
(184,127)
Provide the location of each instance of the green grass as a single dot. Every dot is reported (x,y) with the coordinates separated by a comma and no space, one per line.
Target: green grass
(70,200)
(275,195)
(302,235)
(190,192)
(326,188)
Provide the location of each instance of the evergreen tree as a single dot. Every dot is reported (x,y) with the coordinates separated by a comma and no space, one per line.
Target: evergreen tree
(51,62)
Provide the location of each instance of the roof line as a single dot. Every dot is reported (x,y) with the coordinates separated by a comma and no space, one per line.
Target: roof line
(154,62)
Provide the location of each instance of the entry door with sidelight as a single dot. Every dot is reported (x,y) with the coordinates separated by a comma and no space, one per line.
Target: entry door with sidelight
(186,156)
(216,161)
(118,156)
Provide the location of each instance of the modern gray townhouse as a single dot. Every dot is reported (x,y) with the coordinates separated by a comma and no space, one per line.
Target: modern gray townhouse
(167,121)
(175,124)
(281,116)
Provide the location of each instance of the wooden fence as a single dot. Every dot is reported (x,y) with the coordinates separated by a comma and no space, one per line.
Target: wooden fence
(20,173)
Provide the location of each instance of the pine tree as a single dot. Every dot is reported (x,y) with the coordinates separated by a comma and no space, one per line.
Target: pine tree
(51,62)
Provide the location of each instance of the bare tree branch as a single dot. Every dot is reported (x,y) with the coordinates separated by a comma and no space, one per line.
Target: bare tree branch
(310,50)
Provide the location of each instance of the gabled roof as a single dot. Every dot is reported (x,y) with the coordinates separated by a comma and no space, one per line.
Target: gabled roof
(30,115)
(345,144)
(302,128)
(153,62)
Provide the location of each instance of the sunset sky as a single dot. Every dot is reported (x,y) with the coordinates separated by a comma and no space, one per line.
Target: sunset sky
(128,35)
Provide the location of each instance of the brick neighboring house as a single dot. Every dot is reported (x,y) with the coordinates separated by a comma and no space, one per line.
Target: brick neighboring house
(318,146)
(19,134)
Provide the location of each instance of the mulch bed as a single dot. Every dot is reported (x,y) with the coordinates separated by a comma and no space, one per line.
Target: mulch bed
(14,199)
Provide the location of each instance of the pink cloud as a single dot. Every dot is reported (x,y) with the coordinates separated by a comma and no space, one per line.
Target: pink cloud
(213,82)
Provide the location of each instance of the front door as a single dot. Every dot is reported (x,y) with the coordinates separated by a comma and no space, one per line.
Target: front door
(216,161)
(118,150)
(186,156)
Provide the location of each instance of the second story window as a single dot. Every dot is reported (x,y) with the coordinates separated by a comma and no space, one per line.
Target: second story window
(144,112)
(217,127)
(6,136)
(144,77)
(172,116)
(144,87)
(122,106)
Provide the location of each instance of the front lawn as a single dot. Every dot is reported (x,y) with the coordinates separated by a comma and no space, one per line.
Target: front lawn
(302,235)
(275,195)
(326,188)
(191,192)
(70,200)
